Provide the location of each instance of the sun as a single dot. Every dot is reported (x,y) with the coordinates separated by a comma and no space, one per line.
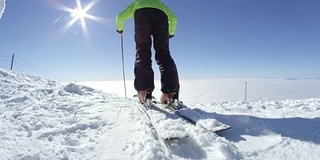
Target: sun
(78,13)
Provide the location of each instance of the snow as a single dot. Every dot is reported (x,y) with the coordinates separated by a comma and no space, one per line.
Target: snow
(44,119)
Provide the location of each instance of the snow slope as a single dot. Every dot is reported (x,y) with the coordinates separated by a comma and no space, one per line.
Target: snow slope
(43,119)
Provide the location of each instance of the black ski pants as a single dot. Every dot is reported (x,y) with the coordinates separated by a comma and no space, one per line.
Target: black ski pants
(153,23)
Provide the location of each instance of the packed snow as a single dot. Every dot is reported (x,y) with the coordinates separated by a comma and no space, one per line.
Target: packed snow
(44,119)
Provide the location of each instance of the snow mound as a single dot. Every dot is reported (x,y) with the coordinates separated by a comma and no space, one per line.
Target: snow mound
(73,88)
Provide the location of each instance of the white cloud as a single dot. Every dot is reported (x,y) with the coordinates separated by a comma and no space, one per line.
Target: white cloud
(2,7)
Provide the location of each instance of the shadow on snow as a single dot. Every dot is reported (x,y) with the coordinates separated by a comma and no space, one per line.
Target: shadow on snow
(303,129)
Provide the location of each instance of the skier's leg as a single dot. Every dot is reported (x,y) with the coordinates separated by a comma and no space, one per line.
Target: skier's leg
(144,75)
(167,66)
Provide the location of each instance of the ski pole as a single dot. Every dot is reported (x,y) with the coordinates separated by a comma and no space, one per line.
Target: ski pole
(123,70)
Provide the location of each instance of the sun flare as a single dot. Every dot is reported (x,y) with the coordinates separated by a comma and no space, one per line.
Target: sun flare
(79,13)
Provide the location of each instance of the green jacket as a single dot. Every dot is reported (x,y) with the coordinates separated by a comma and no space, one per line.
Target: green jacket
(138,4)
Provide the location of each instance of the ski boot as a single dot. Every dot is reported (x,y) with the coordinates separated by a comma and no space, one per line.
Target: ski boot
(145,98)
(171,100)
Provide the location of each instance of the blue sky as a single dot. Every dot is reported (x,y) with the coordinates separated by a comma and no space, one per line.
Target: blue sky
(214,39)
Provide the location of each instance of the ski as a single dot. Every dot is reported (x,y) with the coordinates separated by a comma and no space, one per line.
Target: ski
(193,117)
(165,128)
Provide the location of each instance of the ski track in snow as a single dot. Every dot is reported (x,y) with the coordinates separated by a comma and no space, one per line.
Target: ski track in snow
(42,119)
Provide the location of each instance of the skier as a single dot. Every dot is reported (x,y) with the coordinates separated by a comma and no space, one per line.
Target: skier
(152,18)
